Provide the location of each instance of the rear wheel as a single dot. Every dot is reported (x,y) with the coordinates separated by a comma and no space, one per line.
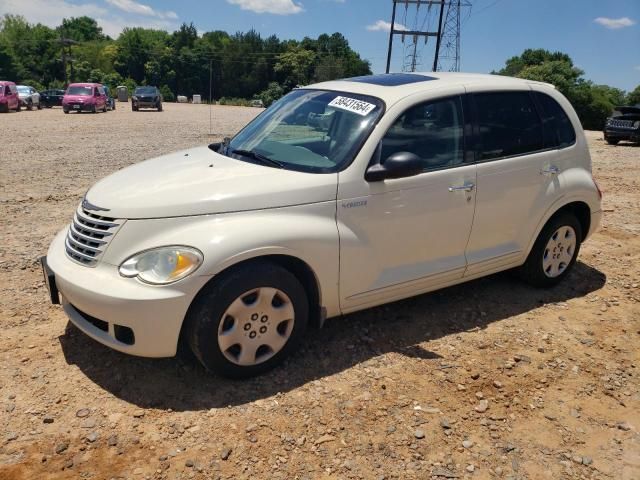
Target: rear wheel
(159,107)
(612,141)
(39,106)
(19,107)
(247,321)
(29,105)
(554,253)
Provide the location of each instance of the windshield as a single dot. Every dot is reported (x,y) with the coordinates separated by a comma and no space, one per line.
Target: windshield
(145,91)
(23,89)
(78,90)
(309,130)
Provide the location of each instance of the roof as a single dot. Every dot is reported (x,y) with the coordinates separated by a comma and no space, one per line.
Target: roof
(391,87)
(85,84)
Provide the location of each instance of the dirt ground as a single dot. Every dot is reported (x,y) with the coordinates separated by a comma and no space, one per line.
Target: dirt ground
(491,379)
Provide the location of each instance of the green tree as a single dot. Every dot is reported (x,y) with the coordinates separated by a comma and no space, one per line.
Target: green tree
(295,65)
(80,29)
(634,97)
(273,92)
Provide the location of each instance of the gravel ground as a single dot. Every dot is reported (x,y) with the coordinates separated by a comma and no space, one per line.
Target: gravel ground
(491,379)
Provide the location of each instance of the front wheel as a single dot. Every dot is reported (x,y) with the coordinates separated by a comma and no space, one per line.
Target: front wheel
(554,253)
(39,106)
(159,107)
(248,321)
(612,141)
(29,106)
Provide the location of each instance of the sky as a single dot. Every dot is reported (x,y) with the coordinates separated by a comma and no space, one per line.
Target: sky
(601,36)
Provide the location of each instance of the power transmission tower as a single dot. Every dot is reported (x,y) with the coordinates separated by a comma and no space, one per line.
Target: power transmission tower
(420,22)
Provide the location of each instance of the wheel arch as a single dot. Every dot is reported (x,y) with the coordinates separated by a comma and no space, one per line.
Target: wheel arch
(298,267)
(579,208)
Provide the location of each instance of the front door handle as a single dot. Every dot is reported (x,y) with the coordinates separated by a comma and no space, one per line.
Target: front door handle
(467,187)
(551,170)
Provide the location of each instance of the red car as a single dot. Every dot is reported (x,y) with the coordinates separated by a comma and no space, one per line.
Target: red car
(9,96)
(84,97)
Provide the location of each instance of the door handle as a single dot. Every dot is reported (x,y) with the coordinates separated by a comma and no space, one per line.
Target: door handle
(551,170)
(467,187)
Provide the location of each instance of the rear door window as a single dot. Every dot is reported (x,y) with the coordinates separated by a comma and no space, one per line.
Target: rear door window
(558,130)
(508,124)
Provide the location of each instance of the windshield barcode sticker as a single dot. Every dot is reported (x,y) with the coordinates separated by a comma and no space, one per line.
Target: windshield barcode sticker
(352,105)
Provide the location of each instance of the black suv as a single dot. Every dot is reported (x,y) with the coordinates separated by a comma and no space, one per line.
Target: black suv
(623,124)
(146,97)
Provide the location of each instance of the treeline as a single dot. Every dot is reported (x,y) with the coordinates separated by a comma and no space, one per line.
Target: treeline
(593,103)
(242,65)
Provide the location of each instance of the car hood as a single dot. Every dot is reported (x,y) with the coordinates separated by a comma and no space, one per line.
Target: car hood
(199,181)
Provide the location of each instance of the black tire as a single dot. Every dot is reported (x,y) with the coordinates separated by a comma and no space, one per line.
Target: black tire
(159,107)
(104,108)
(18,108)
(532,271)
(65,111)
(612,141)
(135,109)
(206,314)
(39,106)
(29,106)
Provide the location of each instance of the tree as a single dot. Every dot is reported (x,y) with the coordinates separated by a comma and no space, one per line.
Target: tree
(80,29)
(593,103)
(295,65)
(634,97)
(273,92)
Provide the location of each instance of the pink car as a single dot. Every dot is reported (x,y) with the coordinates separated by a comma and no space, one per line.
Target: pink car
(84,97)
(9,96)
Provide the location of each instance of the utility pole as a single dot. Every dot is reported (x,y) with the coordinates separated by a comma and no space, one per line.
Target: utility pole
(66,42)
(447,34)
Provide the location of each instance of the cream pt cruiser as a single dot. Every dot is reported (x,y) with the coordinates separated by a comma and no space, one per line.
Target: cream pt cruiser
(341,196)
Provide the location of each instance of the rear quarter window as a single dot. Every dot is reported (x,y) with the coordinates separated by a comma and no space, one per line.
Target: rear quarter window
(558,130)
(509,124)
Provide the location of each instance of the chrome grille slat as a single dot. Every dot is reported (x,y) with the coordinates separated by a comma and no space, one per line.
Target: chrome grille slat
(89,235)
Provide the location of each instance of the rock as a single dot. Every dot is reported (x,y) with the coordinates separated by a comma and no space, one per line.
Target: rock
(301,441)
(587,460)
(226,453)
(550,416)
(251,428)
(61,447)
(138,471)
(625,426)
(419,434)
(92,437)
(470,468)
(12,436)
(479,395)
(88,423)
(443,472)
(138,413)
(325,439)
(47,419)
(83,412)
(163,458)
(475,375)
(467,444)
(522,358)
(112,441)
(482,406)
(189,463)
(444,423)
(10,407)
(497,384)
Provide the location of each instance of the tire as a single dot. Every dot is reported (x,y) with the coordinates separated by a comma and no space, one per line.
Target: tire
(159,107)
(612,141)
(39,106)
(135,109)
(544,270)
(65,111)
(29,106)
(18,108)
(94,109)
(209,320)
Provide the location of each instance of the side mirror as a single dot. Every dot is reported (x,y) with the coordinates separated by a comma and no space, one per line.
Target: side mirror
(397,165)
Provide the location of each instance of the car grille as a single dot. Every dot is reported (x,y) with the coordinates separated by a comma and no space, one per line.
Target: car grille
(146,99)
(621,123)
(88,236)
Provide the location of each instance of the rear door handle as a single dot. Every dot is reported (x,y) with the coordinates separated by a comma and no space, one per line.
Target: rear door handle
(551,170)
(467,187)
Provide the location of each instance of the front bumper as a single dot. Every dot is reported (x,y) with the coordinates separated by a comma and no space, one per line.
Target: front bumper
(622,134)
(104,304)
(79,107)
(145,104)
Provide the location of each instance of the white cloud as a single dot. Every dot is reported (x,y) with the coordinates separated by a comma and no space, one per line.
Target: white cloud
(615,23)
(51,13)
(130,6)
(382,26)
(278,7)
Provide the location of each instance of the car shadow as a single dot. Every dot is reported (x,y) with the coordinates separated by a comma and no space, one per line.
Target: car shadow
(183,385)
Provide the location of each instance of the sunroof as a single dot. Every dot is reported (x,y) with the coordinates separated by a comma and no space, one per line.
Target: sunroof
(391,79)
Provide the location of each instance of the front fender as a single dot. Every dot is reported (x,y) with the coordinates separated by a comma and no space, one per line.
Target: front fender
(306,232)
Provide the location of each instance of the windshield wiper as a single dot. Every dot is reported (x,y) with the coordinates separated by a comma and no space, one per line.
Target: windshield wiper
(258,156)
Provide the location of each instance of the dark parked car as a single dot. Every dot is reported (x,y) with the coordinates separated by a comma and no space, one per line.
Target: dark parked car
(623,124)
(146,97)
(51,98)
(111,102)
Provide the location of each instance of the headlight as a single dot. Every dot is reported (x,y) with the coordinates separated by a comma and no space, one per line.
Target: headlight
(133,97)
(163,265)
(636,124)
